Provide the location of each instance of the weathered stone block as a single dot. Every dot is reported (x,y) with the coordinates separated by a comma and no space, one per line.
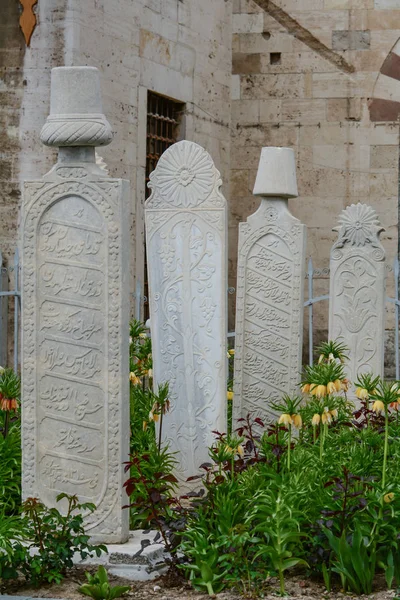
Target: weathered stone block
(246,63)
(384,157)
(351,40)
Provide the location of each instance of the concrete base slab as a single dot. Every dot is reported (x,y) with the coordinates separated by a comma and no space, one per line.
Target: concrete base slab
(140,559)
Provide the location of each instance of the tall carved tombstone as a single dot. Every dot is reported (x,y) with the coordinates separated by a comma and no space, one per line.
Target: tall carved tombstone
(357,290)
(187,259)
(75,314)
(269,301)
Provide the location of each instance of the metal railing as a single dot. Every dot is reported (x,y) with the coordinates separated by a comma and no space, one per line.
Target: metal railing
(9,273)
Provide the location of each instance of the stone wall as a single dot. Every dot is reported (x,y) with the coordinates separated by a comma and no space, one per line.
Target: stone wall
(179,49)
(305,76)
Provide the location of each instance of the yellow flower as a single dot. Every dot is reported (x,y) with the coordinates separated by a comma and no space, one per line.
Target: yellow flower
(316,420)
(345,385)
(143,335)
(240,450)
(144,425)
(395,405)
(326,417)
(362,393)
(388,497)
(154,416)
(229,395)
(331,387)
(334,413)
(320,391)
(306,388)
(331,358)
(338,385)
(321,358)
(231,352)
(133,378)
(297,421)
(150,373)
(285,419)
(378,406)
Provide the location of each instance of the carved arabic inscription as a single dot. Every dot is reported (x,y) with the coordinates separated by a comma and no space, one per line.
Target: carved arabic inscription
(267,322)
(71,342)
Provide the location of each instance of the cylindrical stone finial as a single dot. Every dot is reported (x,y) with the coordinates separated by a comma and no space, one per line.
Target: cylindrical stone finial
(76,113)
(276,175)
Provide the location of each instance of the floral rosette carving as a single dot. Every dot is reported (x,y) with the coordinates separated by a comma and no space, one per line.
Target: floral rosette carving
(359,226)
(185,175)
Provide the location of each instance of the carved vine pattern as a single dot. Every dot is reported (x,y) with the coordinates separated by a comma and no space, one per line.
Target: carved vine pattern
(186,227)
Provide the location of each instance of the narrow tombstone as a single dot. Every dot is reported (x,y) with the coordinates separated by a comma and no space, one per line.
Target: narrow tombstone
(269,301)
(357,290)
(187,260)
(75,314)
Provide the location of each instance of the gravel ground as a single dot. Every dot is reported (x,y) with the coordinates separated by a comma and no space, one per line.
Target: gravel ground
(173,587)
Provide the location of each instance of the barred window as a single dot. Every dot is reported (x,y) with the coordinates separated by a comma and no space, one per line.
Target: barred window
(164,117)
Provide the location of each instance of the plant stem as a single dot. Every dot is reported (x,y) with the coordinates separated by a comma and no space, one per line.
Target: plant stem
(321,441)
(281,582)
(160,432)
(315,434)
(289,446)
(6,426)
(385,447)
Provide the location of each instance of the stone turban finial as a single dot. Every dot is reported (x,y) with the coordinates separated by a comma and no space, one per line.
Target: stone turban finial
(76,112)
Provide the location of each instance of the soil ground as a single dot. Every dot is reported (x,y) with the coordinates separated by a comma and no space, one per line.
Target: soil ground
(173,586)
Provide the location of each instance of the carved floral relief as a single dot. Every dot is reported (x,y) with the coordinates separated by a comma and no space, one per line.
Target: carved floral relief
(186,245)
(357,289)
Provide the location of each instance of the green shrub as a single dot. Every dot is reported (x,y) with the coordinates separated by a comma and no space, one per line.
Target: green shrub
(49,543)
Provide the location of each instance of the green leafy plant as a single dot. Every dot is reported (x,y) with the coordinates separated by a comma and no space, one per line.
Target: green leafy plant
(52,538)
(354,560)
(279,531)
(99,588)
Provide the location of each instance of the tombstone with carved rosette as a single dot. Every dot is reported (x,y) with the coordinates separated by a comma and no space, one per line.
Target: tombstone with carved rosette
(269,302)
(187,259)
(75,315)
(357,290)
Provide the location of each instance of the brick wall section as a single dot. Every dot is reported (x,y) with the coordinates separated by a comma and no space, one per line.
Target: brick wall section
(310,103)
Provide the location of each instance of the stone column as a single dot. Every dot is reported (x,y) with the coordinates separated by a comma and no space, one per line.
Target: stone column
(270,287)
(75,314)
(187,259)
(357,290)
